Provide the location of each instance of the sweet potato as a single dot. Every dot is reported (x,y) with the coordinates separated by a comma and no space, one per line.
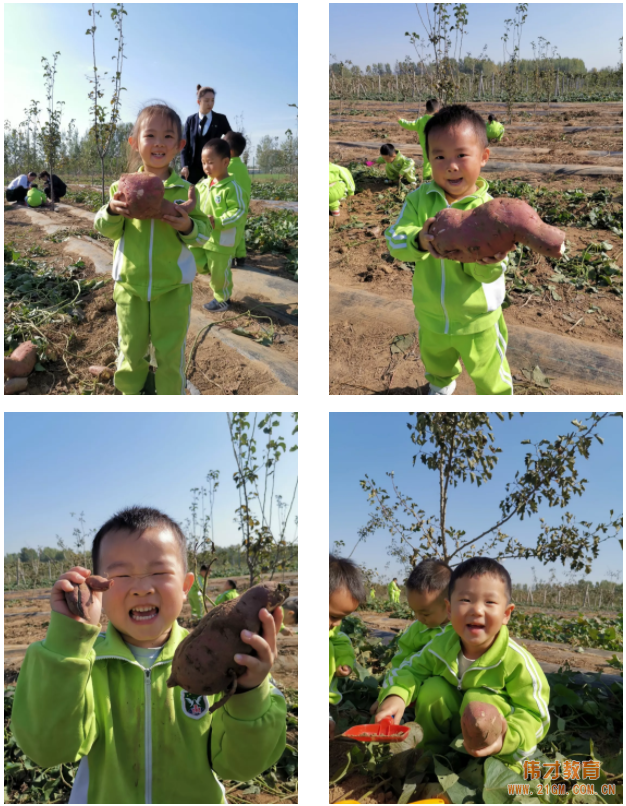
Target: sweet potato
(15,385)
(204,661)
(144,192)
(481,724)
(81,596)
(496,226)
(22,361)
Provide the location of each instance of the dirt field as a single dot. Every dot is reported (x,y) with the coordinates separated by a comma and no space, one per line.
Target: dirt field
(362,360)
(217,368)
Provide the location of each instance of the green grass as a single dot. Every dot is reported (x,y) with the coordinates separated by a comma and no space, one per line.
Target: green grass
(270,178)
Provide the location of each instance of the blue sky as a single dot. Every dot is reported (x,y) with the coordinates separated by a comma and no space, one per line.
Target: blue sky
(374,32)
(377,443)
(248,52)
(98,463)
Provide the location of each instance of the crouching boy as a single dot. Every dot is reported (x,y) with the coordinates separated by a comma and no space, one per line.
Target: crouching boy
(474,678)
(102,698)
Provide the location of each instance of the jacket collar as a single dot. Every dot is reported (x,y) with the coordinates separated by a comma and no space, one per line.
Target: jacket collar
(482,186)
(113,645)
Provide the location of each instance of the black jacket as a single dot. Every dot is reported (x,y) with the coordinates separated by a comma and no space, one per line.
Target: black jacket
(191,154)
(59,187)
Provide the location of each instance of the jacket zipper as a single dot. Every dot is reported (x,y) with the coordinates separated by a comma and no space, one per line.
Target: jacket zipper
(443,290)
(148,734)
(150,260)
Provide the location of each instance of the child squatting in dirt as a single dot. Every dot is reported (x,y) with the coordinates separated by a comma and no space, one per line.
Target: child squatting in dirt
(457,305)
(103,697)
(472,672)
(346,593)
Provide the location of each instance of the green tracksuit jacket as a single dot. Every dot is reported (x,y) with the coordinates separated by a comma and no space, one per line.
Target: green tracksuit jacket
(412,640)
(340,653)
(239,172)
(195,597)
(82,694)
(150,257)
(506,675)
(226,596)
(495,130)
(225,201)
(340,184)
(393,591)
(418,126)
(35,197)
(449,297)
(401,168)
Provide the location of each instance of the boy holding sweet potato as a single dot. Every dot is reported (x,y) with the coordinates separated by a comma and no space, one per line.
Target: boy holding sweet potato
(474,678)
(102,698)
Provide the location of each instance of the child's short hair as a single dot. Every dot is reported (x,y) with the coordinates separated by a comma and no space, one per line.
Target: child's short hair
(204,567)
(236,141)
(138,519)
(478,567)
(42,175)
(492,118)
(457,115)
(219,145)
(430,575)
(346,574)
(32,173)
(387,150)
(143,118)
(33,185)
(292,605)
(432,105)
(232,584)
(200,91)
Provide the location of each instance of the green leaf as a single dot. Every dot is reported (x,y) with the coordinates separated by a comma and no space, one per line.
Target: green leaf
(556,296)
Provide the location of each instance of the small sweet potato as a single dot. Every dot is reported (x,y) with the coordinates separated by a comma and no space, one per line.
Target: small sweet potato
(481,724)
(493,227)
(204,661)
(81,596)
(144,195)
(15,385)
(21,362)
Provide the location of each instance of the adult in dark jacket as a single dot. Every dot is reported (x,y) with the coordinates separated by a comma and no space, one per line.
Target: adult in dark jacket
(59,186)
(199,129)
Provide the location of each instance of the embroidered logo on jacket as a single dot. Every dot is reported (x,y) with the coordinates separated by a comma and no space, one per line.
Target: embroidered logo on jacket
(218,199)
(194,706)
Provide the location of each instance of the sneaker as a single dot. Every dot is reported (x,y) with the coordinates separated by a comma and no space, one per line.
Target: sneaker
(239,262)
(215,306)
(445,390)
(334,212)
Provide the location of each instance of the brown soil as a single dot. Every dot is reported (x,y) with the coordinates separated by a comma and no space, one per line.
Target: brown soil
(361,361)
(94,341)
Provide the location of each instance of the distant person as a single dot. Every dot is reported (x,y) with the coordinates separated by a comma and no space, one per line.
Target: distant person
(290,616)
(58,185)
(239,171)
(18,187)
(195,593)
(229,593)
(495,130)
(35,197)
(199,129)
(397,167)
(394,591)
(340,185)
(418,125)
(373,595)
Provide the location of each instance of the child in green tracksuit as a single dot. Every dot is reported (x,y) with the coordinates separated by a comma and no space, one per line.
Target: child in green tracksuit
(102,698)
(393,591)
(153,265)
(195,594)
(223,201)
(346,593)
(476,661)
(35,197)
(238,170)
(229,593)
(340,185)
(418,126)
(495,130)
(397,167)
(457,305)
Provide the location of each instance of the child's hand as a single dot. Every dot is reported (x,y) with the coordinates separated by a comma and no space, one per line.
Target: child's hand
(425,239)
(184,172)
(181,220)
(487,261)
(117,206)
(343,671)
(391,706)
(265,647)
(374,707)
(64,585)
(492,749)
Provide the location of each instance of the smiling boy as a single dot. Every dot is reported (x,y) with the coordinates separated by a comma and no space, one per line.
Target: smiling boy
(457,305)
(476,661)
(102,698)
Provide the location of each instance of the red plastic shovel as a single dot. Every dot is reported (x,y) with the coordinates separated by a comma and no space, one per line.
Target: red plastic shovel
(383,731)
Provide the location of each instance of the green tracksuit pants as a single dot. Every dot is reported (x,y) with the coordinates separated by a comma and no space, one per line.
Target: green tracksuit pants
(221,279)
(484,356)
(438,710)
(336,192)
(164,322)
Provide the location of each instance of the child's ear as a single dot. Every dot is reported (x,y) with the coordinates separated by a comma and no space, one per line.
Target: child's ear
(133,143)
(182,144)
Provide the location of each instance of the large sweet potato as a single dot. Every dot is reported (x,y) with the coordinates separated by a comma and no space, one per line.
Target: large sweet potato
(22,361)
(204,661)
(481,724)
(143,193)
(496,226)
(82,597)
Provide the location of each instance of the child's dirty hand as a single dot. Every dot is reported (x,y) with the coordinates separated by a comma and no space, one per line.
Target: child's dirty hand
(425,239)
(374,707)
(117,206)
(494,748)
(391,706)
(181,221)
(90,602)
(259,666)
(487,261)
(343,671)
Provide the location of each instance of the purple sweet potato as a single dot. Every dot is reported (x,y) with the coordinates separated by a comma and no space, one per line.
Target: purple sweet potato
(21,362)
(144,195)
(204,661)
(481,724)
(493,227)
(82,597)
